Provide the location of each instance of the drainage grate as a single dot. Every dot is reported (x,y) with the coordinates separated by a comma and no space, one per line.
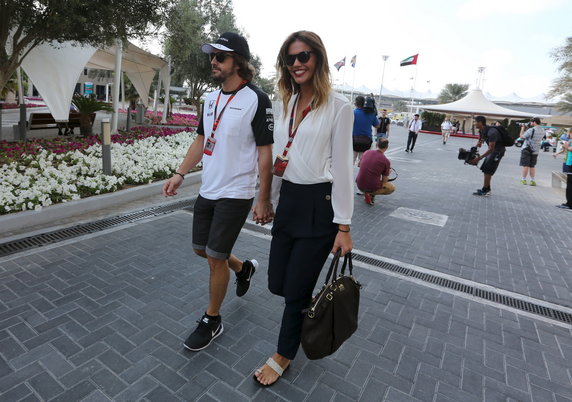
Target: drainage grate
(55,236)
(27,243)
(471,290)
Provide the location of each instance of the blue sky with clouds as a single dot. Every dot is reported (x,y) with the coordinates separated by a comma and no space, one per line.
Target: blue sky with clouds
(511,38)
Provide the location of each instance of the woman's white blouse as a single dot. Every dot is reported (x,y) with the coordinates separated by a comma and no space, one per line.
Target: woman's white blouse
(321,152)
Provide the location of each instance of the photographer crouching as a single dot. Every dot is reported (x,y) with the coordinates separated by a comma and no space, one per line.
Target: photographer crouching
(492,155)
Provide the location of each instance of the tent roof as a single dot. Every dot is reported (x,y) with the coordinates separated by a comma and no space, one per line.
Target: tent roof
(476,103)
(54,68)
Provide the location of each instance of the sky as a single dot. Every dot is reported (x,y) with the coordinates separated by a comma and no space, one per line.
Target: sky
(512,39)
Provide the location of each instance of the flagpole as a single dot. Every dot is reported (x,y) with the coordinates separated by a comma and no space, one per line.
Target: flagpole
(413,88)
(343,76)
(353,83)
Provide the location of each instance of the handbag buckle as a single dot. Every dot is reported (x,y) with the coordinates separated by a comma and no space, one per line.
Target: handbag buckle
(311,314)
(329,297)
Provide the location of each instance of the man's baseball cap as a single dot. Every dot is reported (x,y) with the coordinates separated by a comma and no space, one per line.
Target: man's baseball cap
(229,42)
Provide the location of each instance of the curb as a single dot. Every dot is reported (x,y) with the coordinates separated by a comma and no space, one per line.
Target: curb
(55,213)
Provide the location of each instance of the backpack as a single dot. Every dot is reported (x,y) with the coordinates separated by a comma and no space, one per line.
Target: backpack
(369,105)
(505,138)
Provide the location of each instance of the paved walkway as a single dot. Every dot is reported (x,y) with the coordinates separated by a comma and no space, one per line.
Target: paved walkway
(103,317)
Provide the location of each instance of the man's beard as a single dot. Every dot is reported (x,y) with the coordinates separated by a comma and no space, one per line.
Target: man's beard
(220,76)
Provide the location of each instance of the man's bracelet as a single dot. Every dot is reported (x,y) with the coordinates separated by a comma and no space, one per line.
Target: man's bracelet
(180,174)
(344,231)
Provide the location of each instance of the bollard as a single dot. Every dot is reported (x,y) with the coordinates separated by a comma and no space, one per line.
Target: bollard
(22,122)
(128,124)
(106,146)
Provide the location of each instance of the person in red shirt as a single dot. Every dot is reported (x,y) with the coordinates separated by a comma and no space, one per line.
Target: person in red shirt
(373,173)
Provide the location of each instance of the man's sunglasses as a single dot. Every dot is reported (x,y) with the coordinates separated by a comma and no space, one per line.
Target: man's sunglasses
(220,57)
(302,57)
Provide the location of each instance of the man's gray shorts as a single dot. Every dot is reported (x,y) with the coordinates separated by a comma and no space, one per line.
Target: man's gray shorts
(217,224)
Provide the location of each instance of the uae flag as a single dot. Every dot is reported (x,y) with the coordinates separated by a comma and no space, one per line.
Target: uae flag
(340,64)
(408,61)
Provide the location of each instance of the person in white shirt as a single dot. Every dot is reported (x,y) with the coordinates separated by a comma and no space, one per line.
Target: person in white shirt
(414,127)
(314,176)
(446,127)
(234,142)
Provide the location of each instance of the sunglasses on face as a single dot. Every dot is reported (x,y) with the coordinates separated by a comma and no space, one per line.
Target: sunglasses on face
(220,57)
(302,57)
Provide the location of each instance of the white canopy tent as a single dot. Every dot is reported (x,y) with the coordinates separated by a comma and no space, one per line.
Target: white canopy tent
(55,69)
(474,104)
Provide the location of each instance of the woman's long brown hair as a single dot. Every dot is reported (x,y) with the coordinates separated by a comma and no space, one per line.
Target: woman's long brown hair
(321,81)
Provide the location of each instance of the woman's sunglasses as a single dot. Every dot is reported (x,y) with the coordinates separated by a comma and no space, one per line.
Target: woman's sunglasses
(220,57)
(302,57)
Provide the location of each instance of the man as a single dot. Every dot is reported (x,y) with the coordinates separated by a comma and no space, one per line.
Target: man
(446,128)
(492,156)
(414,127)
(384,123)
(364,120)
(373,175)
(530,147)
(235,131)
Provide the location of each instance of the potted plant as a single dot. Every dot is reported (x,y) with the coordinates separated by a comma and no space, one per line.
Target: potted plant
(87,106)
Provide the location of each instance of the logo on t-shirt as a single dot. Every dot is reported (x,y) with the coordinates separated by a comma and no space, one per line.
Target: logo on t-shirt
(211,104)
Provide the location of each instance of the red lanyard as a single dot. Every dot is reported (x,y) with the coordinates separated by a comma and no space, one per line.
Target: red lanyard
(217,119)
(292,134)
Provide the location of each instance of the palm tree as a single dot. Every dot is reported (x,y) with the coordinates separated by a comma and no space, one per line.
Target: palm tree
(453,92)
(86,106)
(565,104)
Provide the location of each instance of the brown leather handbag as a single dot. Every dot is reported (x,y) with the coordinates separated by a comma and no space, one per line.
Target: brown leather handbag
(333,313)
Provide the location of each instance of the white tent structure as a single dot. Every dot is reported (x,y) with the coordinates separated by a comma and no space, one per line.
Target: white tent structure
(475,104)
(55,68)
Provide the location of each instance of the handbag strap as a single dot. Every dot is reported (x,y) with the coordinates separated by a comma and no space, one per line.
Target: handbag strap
(347,262)
(333,271)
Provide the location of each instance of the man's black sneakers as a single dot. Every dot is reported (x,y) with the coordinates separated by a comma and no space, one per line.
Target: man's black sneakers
(482,193)
(244,276)
(206,332)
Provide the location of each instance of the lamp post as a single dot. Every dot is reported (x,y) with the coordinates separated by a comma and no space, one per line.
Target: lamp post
(382,75)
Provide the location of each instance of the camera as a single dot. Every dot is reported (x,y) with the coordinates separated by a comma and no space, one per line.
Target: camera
(519,142)
(469,155)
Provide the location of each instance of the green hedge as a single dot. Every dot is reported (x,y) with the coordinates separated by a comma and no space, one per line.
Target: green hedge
(432,121)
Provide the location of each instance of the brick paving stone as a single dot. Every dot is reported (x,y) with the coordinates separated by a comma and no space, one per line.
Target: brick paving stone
(322,393)
(15,394)
(45,386)
(108,382)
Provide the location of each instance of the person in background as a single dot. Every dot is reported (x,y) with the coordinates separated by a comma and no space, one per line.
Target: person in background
(492,156)
(364,120)
(414,127)
(373,175)
(567,147)
(446,128)
(530,148)
(384,125)
(314,181)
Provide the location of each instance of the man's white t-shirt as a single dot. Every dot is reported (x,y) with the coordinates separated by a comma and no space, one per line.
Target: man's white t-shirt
(247,122)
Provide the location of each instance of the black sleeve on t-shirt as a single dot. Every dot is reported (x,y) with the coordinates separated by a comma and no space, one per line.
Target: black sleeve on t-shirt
(263,121)
(201,128)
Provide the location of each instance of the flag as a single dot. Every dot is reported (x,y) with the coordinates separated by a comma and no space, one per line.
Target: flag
(354,61)
(409,60)
(340,64)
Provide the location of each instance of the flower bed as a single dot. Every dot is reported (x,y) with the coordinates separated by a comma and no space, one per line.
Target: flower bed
(176,119)
(43,172)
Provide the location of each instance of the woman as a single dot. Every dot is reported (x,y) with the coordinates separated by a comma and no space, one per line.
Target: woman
(316,186)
